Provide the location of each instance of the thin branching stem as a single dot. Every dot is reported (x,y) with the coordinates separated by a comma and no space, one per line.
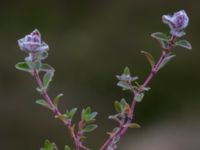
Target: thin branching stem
(56,112)
(123,128)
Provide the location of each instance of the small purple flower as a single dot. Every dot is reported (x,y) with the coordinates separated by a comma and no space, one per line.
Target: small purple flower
(177,23)
(32,43)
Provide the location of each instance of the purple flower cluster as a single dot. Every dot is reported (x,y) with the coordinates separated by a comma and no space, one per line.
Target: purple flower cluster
(177,23)
(32,43)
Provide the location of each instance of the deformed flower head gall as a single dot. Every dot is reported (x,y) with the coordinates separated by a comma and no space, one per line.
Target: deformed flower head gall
(32,43)
(177,23)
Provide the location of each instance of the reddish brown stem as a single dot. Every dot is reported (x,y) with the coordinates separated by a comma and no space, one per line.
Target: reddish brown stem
(122,129)
(56,112)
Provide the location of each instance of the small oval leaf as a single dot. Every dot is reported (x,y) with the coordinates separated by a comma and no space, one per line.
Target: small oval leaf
(118,106)
(162,38)
(43,103)
(23,66)
(47,78)
(150,58)
(70,114)
(57,99)
(165,61)
(46,67)
(93,115)
(67,147)
(89,128)
(184,44)
(133,125)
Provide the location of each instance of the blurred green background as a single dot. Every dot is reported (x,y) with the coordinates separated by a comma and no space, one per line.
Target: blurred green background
(90,42)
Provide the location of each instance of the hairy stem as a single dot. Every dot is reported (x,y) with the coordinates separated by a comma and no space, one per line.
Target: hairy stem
(123,128)
(56,112)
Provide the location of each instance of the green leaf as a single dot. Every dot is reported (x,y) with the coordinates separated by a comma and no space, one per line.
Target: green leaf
(46,67)
(67,147)
(184,44)
(42,103)
(62,117)
(114,117)
(88,110)
(70,114)
(124,85)
(165,61)
(85,115)
(47,78)
(162,38)
(133,125)
(73,111)
(138,97)
(150,58)
(23,66)
(123,103)
(89,128)
(39,90)
(49,146)
(93,115)
(126,71)
(118,106)
(57,99)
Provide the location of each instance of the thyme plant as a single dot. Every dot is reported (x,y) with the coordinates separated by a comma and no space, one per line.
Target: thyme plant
(43,73)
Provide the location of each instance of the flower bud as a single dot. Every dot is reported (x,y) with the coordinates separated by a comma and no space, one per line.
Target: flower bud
(32,43)
(177,23)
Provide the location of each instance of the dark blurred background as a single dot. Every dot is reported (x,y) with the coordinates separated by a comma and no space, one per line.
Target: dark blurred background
(90,42)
